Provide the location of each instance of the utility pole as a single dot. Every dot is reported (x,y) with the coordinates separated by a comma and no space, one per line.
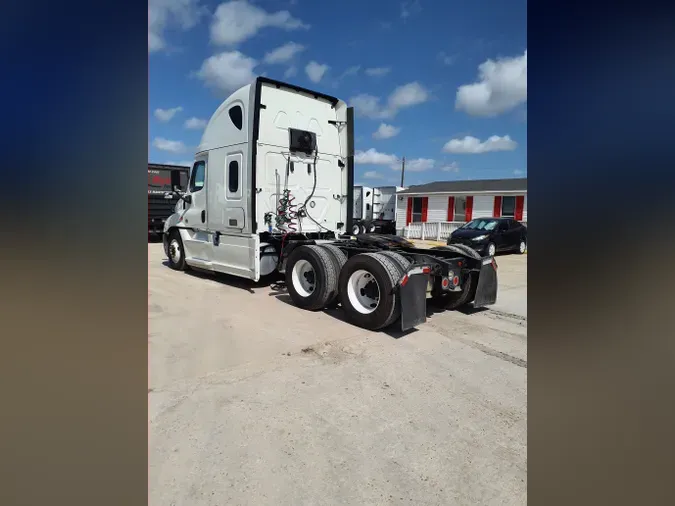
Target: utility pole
(402,170)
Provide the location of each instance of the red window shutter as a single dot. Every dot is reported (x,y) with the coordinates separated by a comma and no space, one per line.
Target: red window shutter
(425,208)
(520,203)
(497,208)
(408,214)
(469,209)
(451,208)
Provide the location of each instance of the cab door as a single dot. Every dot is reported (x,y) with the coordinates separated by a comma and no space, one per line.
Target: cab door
(195,215)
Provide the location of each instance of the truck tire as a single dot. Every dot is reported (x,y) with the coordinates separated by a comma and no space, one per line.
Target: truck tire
(339,260)
(461,249)
(176,251)
(311,277)
(356,229)
(367,290)
(370,228)
(402,261)
(455,300)
(362,229)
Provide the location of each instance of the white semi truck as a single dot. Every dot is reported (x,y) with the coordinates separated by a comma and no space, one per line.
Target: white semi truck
(271,190)
(375,209)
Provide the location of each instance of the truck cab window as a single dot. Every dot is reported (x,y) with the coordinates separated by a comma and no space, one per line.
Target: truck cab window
(197,177)
(233,177)
(237,116)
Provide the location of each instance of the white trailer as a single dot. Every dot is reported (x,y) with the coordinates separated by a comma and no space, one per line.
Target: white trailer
(363,210)
(271,190)
(379,215)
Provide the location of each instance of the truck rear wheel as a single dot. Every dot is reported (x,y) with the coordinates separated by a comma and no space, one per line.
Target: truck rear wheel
(367,290)
(176,252)
(356,229)
(340,259)
(311,277)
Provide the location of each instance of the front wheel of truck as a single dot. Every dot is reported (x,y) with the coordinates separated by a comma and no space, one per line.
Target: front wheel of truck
(176,252)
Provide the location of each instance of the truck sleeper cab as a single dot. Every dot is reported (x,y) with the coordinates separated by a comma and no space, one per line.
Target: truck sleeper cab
(271,189)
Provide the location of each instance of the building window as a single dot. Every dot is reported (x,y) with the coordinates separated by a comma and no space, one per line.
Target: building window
(237,116)
(508,207)
(417,209)
(198,176)
(233,177)
(460,209)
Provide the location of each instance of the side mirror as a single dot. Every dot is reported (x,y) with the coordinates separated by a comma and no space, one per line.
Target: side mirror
(187,198)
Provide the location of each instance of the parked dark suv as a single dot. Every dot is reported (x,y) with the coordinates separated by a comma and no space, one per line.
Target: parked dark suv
(491,235)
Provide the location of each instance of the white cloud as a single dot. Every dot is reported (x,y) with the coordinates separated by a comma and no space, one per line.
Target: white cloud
(378,71)
(372,174)
(367,105)
(471,145)
(447,59)
(410,8)
(451,167)
(228,71)
(163,14)
(195,123)
(404,96)
(501,86)
(315,71)
(284,53)
(351,71)
(183,163)
(170,146)
(518,172)
(237,21)
(408,95)
(291,71)
(386,131)
(416,165)
(165,115)
(373,157)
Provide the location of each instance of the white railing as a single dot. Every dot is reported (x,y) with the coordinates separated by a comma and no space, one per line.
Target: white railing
(432,231)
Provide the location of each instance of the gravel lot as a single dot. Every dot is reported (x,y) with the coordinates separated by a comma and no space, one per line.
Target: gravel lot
(254,401)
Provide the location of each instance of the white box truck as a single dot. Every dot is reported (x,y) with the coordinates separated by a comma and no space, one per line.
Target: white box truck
(271,190)
(377,209)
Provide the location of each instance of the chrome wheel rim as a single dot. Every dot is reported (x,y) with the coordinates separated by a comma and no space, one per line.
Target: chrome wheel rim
(175,254)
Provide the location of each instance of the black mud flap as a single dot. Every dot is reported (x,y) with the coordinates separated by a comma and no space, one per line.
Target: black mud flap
(413,294)
(486,291)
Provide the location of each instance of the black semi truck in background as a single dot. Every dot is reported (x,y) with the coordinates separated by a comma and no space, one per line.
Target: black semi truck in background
(162,179)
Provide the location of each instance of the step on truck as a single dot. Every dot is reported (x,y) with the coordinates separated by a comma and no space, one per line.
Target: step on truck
(271,191)
(375,209)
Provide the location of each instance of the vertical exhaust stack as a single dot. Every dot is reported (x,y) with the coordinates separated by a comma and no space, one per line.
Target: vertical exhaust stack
(350,168)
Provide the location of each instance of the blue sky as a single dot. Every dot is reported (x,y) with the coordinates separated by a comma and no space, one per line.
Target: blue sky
(443,83)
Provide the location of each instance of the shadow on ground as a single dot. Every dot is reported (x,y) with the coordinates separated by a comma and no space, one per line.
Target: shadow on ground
(277,288)
(247,285)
